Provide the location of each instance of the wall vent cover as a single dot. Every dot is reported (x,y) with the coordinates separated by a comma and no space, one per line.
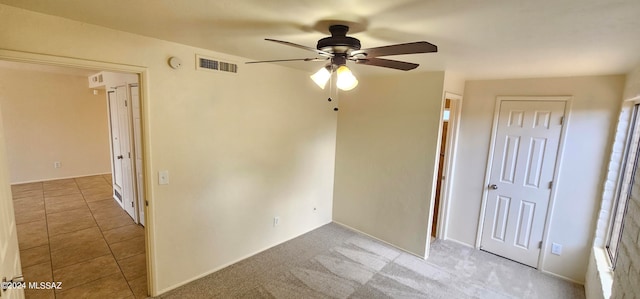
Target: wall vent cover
(204,63)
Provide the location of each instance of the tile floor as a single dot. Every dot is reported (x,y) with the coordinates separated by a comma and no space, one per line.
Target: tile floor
(72,231)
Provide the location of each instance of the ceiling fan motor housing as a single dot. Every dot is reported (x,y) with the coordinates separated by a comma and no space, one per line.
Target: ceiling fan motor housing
(338,42)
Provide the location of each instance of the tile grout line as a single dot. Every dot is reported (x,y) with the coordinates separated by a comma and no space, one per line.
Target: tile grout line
(46,224)
(47,229)
(145,252)
(108,245)
(55,293)
(78,186)
(100,229)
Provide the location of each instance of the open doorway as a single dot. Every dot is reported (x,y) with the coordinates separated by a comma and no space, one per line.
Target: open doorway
(446,156)
(125,135)
(70,229)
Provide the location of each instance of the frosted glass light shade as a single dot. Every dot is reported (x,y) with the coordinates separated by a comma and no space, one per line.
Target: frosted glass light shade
(346,80)
(321,77)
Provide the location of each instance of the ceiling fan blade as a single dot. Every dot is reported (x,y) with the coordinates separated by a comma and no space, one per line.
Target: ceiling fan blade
(392,64)
(399,49)
(285,60)
(319,52)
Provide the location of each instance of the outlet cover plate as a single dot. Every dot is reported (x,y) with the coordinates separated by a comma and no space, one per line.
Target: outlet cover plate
(556,248)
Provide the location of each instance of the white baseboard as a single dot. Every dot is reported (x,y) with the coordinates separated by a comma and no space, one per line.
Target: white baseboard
(58,178)
(543,271)
(459,243)
(169,288)
(374,237)
(562,277)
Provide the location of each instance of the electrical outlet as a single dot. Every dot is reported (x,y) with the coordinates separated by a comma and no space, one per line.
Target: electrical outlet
(276,221)
(556,248)
(56,164)
(163,177)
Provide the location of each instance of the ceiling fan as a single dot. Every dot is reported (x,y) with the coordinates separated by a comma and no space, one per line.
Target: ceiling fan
(339,48)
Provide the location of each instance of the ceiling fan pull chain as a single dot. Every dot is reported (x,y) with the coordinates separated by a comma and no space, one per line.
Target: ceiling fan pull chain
(337,102)
(330,86)
(331,90)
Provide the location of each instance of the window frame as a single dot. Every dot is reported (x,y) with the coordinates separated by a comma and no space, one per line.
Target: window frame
(628,167)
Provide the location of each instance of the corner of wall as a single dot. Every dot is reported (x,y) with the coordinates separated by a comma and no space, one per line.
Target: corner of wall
(454,83)
(632,86)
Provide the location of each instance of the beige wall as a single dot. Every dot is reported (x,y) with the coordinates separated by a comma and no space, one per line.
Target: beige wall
(596,102)
(240,149)
(53,117)
(386,147)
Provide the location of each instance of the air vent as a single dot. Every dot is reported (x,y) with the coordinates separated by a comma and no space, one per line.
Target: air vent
(214,65)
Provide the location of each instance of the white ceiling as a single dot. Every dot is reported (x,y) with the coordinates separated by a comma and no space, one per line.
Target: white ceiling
(477,39)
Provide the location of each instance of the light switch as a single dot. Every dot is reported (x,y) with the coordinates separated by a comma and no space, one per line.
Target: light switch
(163,177)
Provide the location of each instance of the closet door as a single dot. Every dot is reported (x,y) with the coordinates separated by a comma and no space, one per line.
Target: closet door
(125,157)
(116,148)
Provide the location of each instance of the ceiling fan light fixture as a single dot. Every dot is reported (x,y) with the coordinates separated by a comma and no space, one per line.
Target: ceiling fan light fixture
(321,77)
(346,80)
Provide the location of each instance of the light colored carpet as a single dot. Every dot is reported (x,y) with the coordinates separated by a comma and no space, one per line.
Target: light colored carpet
(335,262)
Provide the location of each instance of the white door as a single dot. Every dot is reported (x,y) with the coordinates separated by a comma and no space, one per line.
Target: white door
(124,120)
(116,149)
(137,137)
(524,159)
(9,252)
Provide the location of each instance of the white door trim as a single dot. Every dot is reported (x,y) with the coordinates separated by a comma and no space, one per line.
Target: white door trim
(143,75)
(556,170)
(449,163)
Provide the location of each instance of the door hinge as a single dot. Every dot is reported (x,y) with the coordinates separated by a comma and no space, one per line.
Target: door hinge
(129,155)
(561,120)
(132,204)
(550,184)
(540,245)
(125,104)
(146,203)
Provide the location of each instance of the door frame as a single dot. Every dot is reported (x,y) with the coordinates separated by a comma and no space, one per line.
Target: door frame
(449,162)
(143,75)
(136,145)
(556,169)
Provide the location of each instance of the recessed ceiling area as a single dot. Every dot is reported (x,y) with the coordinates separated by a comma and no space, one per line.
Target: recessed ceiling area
(476,39)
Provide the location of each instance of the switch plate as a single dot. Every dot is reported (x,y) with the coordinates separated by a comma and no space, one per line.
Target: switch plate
(276,221)
(56,164)
(163,177)
(556,248)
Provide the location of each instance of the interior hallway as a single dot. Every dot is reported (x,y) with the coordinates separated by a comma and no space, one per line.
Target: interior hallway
(72,231)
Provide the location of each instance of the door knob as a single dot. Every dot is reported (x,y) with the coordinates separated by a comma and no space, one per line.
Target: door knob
(493,186)
(120,157)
